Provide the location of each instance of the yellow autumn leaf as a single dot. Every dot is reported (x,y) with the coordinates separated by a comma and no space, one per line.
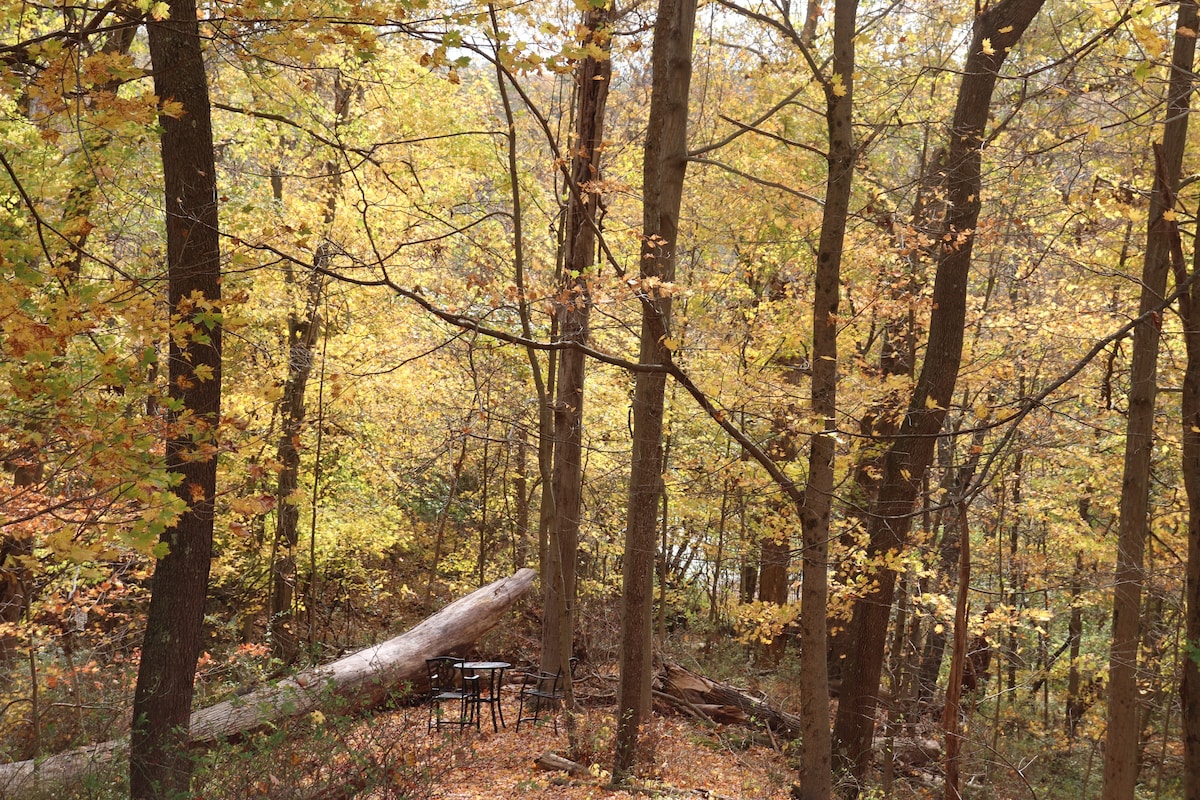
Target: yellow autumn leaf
(838,86)
(160,11)
(988,50)
(1169,215)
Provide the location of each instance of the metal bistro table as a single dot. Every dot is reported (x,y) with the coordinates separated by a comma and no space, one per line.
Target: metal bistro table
(491,675)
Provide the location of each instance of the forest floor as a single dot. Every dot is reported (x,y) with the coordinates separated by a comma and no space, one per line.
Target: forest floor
(683,759)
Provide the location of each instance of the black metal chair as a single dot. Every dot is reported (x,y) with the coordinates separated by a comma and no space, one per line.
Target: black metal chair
(450,687)
(542,690)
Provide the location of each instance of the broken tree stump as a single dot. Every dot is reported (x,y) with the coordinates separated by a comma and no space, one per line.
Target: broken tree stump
(361,680)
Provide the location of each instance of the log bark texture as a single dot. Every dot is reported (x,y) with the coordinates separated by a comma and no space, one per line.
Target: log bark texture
(362,679)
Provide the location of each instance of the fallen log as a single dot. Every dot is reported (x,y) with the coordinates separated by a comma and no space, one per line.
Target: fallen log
(361,680)
(723,703)
(555,763)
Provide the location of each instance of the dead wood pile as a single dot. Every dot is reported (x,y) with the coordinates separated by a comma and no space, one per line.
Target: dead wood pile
(721,703)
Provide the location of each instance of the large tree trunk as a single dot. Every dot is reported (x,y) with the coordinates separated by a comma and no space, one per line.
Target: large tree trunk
(160,766)
(663,174)
(362,680)
(1121,742)
(889,520)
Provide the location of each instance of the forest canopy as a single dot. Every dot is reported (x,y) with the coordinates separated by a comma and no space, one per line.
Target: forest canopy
(886,313)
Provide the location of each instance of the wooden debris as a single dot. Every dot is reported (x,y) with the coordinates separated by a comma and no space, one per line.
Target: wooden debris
(556,763)
(721,703)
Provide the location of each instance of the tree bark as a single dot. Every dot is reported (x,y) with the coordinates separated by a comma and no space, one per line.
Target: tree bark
(573,309)
(362,680)
(775,555)
(1121,743)
(303,330)
(1002,25)
(816,776)
(1179,103)
(952,710)
(663,174)
(159,763)
(1074,710)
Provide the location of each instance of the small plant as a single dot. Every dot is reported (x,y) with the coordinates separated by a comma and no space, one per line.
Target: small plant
(593,738)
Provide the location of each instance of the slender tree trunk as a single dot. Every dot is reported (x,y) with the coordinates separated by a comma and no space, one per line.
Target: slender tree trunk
(1190,687)
(942,580)
(303,330)
(1178,104)
(957,482)
(160,765)
(953,708)
(485,470)
(1121,742)
(1002,25)
(573,310)
(663,175)
(439,537)
(816,775)
(1075,634)
(519,445)
(543,381)
(718,564)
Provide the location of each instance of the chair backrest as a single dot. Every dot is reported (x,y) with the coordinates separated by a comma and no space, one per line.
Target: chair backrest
(443,673)
(550,682)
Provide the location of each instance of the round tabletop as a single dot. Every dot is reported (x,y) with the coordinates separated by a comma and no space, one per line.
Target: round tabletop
(484,665)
